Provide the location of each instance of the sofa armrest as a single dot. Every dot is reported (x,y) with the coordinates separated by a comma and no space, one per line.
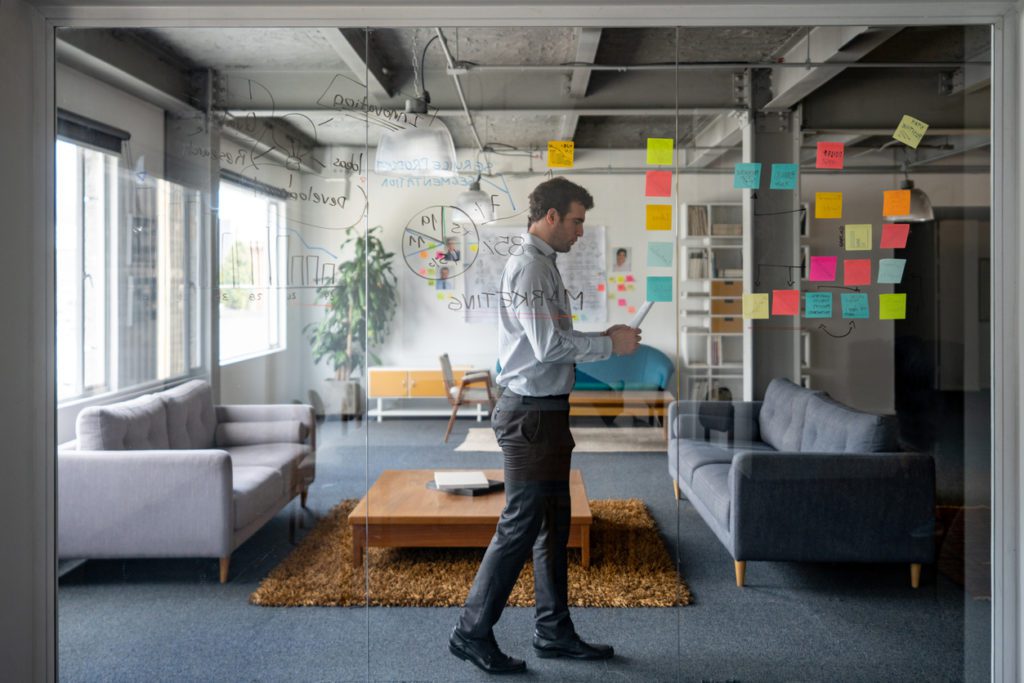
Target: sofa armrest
(145,503)
(687,419)
(832,507)
(271,413)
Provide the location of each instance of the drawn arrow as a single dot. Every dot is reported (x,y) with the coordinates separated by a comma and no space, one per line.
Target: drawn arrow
(789,273)
(852,289)
(838,336)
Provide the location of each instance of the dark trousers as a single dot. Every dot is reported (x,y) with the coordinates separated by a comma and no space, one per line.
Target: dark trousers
(534,437)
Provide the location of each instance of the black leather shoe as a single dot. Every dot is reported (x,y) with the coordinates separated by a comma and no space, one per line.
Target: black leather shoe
(485,654)
(571,646)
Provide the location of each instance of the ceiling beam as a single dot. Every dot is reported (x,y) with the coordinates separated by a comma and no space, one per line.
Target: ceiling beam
(587,41)
(352,47)
(718,137)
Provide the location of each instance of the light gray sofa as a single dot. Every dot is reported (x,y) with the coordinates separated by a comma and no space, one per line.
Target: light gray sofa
(171,475)
(801,477)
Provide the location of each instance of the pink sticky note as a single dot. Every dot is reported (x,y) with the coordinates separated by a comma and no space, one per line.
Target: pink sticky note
(600,287)
(857,271)
(629,278)
(894,235)
(830,155)
(785,302)
(622,302)
(622,288)
(659,184)
(823,268)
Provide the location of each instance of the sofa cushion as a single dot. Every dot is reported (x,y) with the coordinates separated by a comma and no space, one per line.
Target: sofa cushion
(647,369)
(283,457)
(191,420)
(253,433)
(831,427)
(138,424)
(711,485)
(783,413)
(255,490)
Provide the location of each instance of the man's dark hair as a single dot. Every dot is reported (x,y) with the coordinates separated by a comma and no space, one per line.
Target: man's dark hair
(557,193)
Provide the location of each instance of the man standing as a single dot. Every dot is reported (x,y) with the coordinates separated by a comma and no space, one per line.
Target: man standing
(538,350)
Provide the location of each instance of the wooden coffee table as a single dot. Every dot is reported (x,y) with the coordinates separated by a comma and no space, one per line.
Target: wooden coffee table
(399,511)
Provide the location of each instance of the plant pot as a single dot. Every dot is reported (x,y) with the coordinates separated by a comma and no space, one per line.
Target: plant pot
(344,396)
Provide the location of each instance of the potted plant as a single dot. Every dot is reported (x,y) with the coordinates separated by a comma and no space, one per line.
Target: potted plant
(360,305)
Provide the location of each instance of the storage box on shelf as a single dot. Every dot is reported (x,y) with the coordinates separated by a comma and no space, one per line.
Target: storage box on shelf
(411,383)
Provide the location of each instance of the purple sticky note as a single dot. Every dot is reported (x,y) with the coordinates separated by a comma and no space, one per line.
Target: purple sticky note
(823,268)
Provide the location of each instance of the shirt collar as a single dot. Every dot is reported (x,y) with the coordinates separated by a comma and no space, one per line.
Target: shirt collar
(540,245)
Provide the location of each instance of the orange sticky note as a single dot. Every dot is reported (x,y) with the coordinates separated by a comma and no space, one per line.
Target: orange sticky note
(894,235)
(659,184)
(828,204)
(896,202)
(632,309)
(830,155)
(785,302)
(659,216)
(856,271)
(560,153)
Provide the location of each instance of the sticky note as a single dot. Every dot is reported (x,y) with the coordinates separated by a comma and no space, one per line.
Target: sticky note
(423,271)
(659,288)
(659,151)
(896,202)
(856,272)
(892,306)
(823,268)
(828,204)
(620,279)
(890,270)
(784,176)
(910,131)
(755,306)
(440,296)
(630,278)
(632,309)
(894,235)
(855,304)
(622,288)
(818,305)
(622,302)
(746,176)
(630,287)
(785,302)
(858,237)
(659,254)
(424,254)
(659,184)
(830,155)
(560,153)
(600,287)
(473,247)
(659,216)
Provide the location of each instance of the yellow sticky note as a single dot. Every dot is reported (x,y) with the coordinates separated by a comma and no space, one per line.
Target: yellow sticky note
(892,306)
(440,296)
(828,204)
(910,131)
(895,202)
(659,216)
(560,153)
(755,306)
(858,237)
(621,279)
(659,151)
(473,247)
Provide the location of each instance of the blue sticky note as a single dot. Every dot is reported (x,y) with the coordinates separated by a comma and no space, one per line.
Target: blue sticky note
(855,304)
(747,177)
(659,254)
(659,288)
(818,305)
(890,270)
(784,176)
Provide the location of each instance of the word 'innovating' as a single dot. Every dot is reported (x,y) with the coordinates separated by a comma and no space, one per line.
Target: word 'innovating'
(536,299)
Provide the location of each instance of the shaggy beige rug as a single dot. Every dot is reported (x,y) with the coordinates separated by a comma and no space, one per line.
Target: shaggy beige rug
(629,567)
(588,440)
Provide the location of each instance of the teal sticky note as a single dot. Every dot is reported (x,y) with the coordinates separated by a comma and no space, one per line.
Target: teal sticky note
(855,304)
(747,177)
(784,176)
(818,305)
(659,254)
(890,270)
(659,288)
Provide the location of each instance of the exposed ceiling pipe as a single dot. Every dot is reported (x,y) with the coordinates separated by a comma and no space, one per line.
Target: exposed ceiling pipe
(582,111)
(460,68)
(897,169)
(458,87)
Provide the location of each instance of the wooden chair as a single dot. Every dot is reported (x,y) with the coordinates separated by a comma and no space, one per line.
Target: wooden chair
(463,392)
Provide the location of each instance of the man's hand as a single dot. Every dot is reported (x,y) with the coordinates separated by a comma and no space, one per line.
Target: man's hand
(625,339)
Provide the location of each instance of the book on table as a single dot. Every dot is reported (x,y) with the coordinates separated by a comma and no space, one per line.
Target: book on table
(473,479)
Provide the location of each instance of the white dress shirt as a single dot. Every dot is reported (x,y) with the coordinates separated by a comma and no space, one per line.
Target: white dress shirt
(537,347)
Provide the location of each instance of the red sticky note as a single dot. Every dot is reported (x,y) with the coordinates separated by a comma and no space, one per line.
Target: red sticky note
(823,268)
(857,271)
(632,309)
(622,288)
(785,302)
(659,184)
(894,235)
(830,155)
(629,278)
(600,287)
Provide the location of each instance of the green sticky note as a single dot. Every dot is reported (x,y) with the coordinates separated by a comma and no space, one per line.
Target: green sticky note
(858,237)
(659,254)
(890,270)
(892,306)
(818,305)
(659,288)
(910,131)
(659,151)
(855,304)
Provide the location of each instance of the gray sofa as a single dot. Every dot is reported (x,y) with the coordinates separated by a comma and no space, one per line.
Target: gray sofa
(171,475)
(801,477)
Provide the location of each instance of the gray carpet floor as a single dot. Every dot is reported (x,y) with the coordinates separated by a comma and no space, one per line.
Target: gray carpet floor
(170,620)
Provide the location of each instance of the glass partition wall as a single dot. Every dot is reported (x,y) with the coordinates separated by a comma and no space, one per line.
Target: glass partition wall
(303,286)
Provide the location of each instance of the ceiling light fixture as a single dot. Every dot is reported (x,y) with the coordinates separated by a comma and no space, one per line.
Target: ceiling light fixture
(920,205)
(476,203)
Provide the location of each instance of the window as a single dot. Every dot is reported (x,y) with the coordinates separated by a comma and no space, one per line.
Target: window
(252,310)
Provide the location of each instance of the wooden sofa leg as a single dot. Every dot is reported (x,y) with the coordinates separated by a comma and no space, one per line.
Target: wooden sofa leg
(915,574)
(741,572)
(225,562)
(675,487)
